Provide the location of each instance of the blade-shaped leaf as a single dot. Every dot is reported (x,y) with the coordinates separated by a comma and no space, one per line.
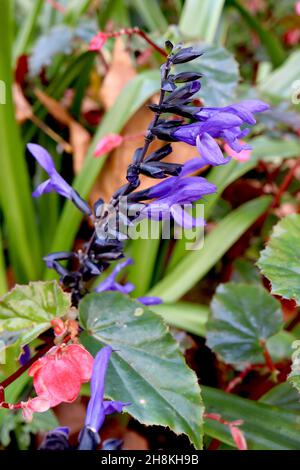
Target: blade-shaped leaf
(200,21)
(280,260)
(26,311)
(243,316)
(146,368)
(266,427)
(184,315)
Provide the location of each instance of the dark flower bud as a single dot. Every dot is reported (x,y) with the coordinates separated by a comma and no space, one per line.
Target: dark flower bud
(92,267)
(179,109)
(159,154)
(137,156)
(168,85)
(186,55)
(183,77)
(88,439)
(70,279)
(133,171)
(59,255)
(81,203)
(168,46)
(164,133)
(183,93)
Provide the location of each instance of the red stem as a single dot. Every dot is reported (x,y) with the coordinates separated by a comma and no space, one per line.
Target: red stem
(269,362)
(287,180)
(237,380)
(139,32)
(22,369)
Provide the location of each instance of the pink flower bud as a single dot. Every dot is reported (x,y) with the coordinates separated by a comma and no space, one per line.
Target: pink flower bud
(297,8)
(58,326)
(57,377)
(97,42)
(107,144)
(242,156)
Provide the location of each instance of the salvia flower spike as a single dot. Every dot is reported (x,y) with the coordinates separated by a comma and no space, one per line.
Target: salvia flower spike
(199,126)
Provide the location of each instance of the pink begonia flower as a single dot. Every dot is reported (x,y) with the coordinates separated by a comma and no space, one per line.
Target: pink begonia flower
(97,42)
(34,405)
(292,37)
(297,8)
(107,144)
(242,156)
(238,435)
(57,377)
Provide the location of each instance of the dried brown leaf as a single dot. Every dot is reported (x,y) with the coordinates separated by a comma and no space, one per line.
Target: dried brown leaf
(54,107)
(121,71)
(79,137)
(80,140)
(22,106)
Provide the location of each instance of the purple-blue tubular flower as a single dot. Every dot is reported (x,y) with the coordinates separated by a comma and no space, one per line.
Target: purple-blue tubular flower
(224,123)
(25,355)
(55,182)
(150,300)
(110,282)
(98,408)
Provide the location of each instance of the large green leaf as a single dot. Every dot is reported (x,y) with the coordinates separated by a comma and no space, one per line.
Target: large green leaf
(243,316)
(280,260)
(266,427)
(201,20)
(26,311)
(146,368)
(220,75)
(294,376)
(197,263)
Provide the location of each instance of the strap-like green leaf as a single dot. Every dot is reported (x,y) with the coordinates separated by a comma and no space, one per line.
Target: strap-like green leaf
(266,427)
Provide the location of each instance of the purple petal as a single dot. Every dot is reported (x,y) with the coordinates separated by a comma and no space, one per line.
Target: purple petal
(255,106)
(150,300)
(184,219)
(43,188)
(210,150)
(220,121)
(25,355)
(191,166)
(43,158)
(114,407)
(95,414)
(110,282)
